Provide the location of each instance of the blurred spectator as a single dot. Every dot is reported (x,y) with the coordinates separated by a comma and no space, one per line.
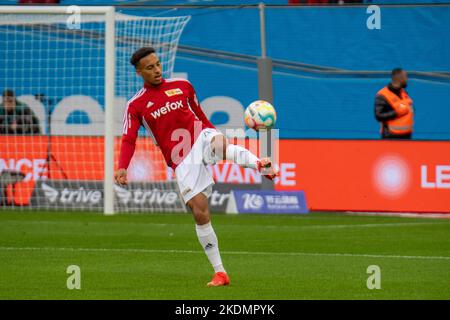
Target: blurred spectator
(16,117)
(394,108)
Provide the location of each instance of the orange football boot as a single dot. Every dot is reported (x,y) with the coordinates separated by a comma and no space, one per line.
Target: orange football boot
(220,279)
(266,169)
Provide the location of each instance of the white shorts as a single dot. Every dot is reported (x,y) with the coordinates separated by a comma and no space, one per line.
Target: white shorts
(192,175)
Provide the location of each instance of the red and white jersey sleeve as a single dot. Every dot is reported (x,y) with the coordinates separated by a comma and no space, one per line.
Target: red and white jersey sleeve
(131,124)
(195,105)
(172,115)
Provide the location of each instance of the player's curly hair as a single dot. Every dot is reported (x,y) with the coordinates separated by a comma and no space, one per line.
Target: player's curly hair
(139,54)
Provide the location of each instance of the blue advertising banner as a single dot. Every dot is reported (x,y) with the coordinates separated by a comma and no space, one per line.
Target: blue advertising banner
(267,201)
(328,67)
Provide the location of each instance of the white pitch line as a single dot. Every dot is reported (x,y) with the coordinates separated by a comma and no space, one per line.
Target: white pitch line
(134,250)
(325,226)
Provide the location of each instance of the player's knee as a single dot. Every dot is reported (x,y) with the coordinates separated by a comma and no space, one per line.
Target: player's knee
(201,215)
(219,146)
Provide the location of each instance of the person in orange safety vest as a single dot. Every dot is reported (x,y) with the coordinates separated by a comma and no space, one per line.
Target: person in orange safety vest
(394,108)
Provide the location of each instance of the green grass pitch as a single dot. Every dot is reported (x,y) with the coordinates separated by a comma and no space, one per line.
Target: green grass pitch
(157,256)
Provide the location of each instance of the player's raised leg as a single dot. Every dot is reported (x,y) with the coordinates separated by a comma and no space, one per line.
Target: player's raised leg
(208,239)
(227,151)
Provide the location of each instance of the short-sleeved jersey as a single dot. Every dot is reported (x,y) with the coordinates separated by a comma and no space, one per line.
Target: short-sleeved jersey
(172,115)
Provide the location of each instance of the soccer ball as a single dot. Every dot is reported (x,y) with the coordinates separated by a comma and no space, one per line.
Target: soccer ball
(259,115)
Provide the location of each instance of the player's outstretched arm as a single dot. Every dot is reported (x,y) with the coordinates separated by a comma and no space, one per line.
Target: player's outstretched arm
(131,127)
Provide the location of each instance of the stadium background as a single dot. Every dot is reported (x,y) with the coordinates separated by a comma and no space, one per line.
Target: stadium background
(328,67)
(330,149)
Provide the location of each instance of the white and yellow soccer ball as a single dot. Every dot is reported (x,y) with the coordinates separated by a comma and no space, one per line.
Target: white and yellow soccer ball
(259,115)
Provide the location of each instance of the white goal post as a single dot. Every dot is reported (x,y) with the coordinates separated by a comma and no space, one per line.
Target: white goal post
(105,40)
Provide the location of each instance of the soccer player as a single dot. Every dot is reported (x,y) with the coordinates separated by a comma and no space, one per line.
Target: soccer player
(170,111)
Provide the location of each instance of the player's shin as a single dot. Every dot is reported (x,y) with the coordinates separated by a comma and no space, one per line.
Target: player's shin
(241,156)
(208,240)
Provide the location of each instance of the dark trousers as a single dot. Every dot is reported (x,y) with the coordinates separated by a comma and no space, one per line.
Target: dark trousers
(388,135)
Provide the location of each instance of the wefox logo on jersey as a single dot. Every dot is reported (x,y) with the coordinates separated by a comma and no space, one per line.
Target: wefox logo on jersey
(167,108)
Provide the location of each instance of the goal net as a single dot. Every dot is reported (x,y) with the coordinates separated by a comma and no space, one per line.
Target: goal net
(65,79)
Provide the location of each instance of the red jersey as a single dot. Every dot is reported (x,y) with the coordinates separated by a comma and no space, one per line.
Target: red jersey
(172,115)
